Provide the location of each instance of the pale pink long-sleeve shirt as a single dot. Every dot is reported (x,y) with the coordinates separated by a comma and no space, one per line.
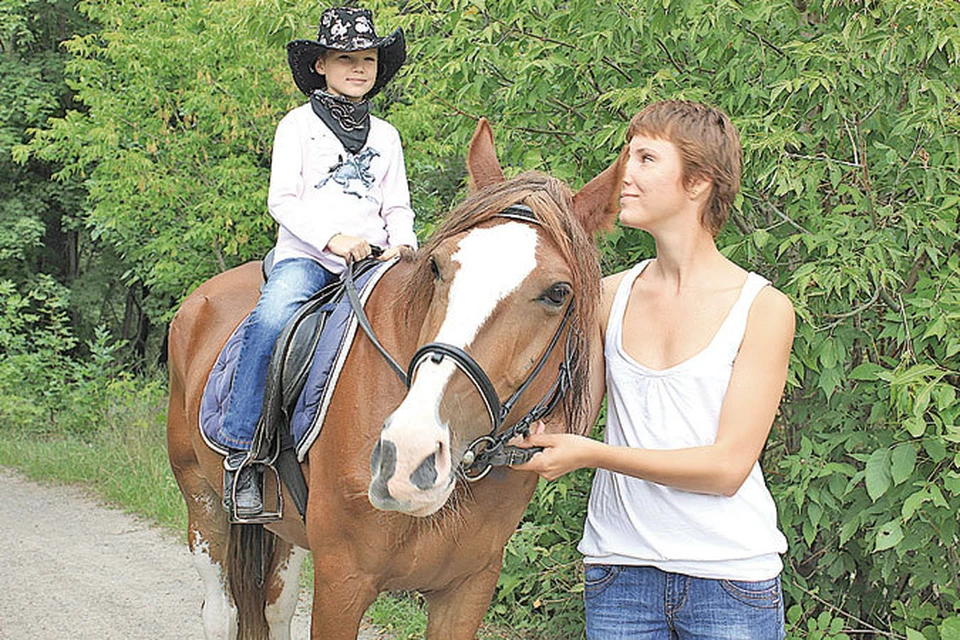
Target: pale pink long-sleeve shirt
(318,189)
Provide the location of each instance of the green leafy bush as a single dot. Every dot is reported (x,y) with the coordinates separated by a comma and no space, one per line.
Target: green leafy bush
(849,117)
(540,590)
(44,386)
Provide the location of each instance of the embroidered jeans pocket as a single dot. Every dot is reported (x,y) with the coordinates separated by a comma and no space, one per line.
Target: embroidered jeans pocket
(763,594)
(597,577)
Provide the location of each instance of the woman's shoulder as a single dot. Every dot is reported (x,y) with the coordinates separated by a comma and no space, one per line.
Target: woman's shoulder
(609,286)
(772,300)
(772,312)
(611,283)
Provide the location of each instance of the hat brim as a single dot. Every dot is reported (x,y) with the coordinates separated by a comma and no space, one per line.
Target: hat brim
(302,54)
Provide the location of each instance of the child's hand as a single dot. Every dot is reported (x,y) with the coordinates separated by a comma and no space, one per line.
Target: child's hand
(349,247)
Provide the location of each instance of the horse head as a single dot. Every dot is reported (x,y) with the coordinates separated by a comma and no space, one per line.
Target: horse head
(511,274)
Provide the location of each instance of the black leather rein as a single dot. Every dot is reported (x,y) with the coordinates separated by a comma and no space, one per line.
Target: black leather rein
(490,450)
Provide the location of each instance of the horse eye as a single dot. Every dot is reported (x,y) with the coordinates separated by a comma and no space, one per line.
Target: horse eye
(434,268)
(556,295)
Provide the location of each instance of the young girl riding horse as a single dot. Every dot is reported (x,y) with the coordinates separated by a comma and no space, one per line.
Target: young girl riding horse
(337,187)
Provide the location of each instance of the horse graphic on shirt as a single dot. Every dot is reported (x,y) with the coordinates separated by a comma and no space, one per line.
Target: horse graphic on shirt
(353,173)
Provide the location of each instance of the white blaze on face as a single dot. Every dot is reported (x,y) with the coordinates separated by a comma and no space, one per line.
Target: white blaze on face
(492,263)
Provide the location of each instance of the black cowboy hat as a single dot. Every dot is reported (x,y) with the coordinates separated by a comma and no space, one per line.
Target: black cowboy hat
(345,29)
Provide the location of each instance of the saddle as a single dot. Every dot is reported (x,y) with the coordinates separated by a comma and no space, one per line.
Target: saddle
(290,364)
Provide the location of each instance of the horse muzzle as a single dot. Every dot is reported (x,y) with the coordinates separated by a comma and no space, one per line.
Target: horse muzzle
(417,488)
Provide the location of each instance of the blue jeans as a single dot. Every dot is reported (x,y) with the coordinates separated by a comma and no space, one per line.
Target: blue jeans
(291,283)
(626,602)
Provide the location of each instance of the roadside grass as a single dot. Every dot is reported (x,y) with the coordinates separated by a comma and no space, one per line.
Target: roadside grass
(122,457)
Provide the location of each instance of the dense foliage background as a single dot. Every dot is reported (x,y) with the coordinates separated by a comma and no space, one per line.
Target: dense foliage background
(134,160)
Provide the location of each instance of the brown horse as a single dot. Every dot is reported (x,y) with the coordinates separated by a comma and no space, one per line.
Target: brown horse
(496,289)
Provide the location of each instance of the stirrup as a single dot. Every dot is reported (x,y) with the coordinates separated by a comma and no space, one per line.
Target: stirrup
(234,463)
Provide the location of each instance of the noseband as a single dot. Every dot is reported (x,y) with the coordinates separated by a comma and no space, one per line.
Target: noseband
(489,450)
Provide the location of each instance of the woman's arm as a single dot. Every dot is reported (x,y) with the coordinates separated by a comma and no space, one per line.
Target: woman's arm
(750,405)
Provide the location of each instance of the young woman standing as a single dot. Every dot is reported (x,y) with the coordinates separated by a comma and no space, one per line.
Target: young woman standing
(681,537)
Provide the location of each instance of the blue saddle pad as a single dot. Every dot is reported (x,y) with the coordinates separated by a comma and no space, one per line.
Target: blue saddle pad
(311,408)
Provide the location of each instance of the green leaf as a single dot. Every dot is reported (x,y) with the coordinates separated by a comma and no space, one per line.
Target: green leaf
(950,629)
(849,529)
(936,496)
(830,381)
(951,482)
(903,461)
(915,426)
(935,448)
(878,473)
(867,371)
(828,354)
(760,238)
(913,502)
(937,328)
(916,373)
(889,536)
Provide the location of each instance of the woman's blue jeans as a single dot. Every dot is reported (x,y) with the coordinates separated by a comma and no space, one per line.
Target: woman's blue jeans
(291,282)
(644,603)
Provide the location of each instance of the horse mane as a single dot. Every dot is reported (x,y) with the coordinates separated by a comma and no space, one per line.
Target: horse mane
(552,203)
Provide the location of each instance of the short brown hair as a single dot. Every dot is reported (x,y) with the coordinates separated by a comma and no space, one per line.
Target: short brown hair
(709,147)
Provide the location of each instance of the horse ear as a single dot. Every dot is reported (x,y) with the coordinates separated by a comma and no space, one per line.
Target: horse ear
(598,202)
(482,163)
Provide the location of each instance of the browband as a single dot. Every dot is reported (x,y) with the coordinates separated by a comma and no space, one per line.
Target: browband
(520,212)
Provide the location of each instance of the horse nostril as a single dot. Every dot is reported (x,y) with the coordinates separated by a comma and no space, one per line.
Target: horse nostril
(375,458)
(425,476)
(383,460)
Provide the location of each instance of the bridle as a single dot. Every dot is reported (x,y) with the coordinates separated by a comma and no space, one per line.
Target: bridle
(489,450)
(492,450)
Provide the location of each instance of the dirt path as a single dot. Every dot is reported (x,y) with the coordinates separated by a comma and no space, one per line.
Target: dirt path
(72,568)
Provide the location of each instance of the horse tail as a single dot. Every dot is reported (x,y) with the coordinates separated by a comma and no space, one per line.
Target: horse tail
(250,549)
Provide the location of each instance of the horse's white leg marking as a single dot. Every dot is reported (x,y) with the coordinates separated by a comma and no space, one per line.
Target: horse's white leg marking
(219,614)
(280,613)
(493,263)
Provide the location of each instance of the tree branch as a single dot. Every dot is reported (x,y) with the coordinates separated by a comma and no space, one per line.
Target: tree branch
(824,158)
(885,632)
(547,40)
(456,110)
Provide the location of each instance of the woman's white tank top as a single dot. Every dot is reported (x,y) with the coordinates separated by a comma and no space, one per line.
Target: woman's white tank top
(635,522)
